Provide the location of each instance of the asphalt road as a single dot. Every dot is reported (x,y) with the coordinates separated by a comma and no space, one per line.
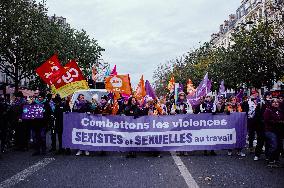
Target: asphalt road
(114,170)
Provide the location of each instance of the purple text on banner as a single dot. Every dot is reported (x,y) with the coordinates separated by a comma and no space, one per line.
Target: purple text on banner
(154,133)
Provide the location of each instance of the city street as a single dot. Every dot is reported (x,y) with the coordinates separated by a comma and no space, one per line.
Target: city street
(20,169)
(143,94)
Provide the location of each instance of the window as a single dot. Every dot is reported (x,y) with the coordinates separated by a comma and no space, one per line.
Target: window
(260,13)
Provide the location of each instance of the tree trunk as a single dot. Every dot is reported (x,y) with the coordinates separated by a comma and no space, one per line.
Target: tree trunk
(16,80)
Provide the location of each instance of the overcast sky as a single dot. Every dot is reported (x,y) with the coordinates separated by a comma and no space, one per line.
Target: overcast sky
(140,34)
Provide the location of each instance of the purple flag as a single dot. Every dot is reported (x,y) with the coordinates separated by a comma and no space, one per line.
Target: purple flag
(149,90)
(202,90)
(240,95)
(180,89)
(222,88)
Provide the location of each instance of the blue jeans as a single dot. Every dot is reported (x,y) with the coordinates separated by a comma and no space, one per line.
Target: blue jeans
(272,140)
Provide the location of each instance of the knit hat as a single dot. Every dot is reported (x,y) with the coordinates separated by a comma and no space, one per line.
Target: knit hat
(95,97)
(104,97)
(181,93)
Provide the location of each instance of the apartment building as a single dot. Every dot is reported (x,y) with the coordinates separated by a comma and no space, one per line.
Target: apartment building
(248,13)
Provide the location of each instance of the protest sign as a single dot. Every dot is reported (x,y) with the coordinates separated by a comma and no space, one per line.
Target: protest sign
(33,111)
(154,133)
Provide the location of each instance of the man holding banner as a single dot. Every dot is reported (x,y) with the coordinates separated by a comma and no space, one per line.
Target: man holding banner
(40,123)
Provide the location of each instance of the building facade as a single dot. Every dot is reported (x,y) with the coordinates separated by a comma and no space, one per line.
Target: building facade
(59,20)
(248,13)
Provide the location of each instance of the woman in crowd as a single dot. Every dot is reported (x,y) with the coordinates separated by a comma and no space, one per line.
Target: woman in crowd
(232,107)
(105,107)
(40,125)
(260,126)
(95,106)
(81,105)
(132,109)
(221,105)
(181,106)
(21,130)
(208,107)
(274,122)
(60,109)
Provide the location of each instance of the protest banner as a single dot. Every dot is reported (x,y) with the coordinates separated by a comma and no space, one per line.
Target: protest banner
(33,111)
(154,133)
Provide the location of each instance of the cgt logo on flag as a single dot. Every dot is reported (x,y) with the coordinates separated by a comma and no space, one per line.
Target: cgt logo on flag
(71,73)
(49,70)
(116,82)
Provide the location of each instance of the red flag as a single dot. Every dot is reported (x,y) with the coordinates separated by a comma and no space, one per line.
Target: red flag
(50,69)
(118,84)
(140,90)
(70,73)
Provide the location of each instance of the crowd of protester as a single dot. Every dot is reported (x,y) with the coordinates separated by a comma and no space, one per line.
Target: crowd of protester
(265,122)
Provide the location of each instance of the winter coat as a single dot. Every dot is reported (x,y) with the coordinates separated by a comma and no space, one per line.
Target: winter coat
(208,106)
(105,109)
(181,107)
(134,110)
(47,113)
(17,109)
(233,108)
(273,120)
(60,109)
(81,106)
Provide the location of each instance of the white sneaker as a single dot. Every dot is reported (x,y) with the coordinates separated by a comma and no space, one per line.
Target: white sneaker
(255,158)
(87,153)
(229,153)
(79,153)
(241,154)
